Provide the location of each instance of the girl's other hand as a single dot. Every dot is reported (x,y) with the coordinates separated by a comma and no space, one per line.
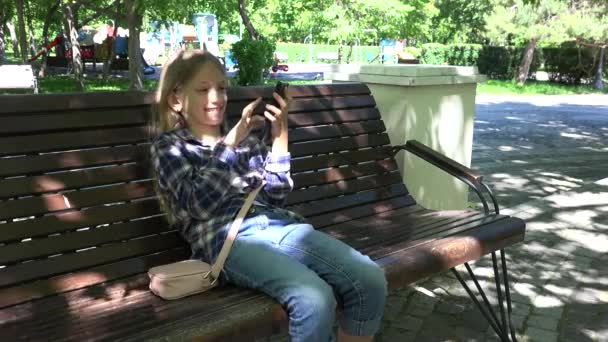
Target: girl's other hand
(247,122)
(278,116)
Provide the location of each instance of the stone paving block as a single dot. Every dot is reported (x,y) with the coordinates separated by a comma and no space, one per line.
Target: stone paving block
(395,335)
(555,312)
(547,301)
(521,308)
(407,322)
(543,322)
(540,335)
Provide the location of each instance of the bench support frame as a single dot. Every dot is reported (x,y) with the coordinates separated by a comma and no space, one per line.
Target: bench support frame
(503,327)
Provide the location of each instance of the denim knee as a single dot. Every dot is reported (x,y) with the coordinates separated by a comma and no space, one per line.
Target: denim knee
(312,310)
(362,314)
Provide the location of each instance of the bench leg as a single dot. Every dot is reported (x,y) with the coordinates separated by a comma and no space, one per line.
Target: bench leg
(502,327)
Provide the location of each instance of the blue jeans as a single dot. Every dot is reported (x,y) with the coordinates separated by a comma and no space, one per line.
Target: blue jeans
(304,270)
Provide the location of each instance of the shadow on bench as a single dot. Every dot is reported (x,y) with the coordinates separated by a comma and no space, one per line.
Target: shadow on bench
(80,224)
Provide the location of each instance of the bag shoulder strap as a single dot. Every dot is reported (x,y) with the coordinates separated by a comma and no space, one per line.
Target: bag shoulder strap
(216,268)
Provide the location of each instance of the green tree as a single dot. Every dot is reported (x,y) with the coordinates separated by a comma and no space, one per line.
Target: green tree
(514,21)
(461,21)
(587,24)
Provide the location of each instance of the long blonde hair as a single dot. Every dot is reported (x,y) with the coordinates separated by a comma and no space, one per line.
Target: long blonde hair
(179,70)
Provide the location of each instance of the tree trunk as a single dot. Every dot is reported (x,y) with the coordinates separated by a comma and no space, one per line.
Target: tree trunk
(598,83)
(22,34)
(135,69)
(30,26)
(45,38)
(70,30)
(2,48)
(350,52)
(107,64)
(245,18)
(11,30)
(526,61)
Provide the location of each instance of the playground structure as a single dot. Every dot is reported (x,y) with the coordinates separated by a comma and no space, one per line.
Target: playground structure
(95,45)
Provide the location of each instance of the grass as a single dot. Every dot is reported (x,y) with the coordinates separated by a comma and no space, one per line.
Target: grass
(496,87)
(64,84)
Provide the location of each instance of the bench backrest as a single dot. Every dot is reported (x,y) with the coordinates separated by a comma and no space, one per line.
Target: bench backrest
(77,202)
(17,77)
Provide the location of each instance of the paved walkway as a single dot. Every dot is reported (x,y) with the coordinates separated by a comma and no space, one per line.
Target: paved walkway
(547,158)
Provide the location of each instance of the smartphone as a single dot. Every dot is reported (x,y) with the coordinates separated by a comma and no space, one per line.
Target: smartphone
(281,89)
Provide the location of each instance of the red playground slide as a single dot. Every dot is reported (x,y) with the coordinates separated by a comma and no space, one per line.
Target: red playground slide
(55,41)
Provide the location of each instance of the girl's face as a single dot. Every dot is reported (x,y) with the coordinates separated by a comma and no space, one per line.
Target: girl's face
(203,99)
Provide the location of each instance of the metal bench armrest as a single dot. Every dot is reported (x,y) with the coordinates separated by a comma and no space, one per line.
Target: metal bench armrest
(465,174)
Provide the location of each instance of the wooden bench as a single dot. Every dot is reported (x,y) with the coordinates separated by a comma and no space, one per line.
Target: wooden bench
(18,77)
(80,224)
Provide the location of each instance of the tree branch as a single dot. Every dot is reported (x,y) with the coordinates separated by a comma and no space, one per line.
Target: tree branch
(580,41)
(103,11)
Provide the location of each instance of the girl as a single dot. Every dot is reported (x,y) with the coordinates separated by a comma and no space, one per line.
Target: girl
(204,172)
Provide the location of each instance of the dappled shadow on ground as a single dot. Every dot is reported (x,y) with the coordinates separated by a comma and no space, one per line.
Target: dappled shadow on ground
(543,162)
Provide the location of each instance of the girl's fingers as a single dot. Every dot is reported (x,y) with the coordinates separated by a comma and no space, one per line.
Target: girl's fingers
(269,116)
(273,109)
(281,101)
(248,110)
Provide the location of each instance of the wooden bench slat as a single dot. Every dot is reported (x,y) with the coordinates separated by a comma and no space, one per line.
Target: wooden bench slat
(393,228)
(51,162)
(43,122)
(426,236)
(70,242)
(335,145)
(97,256)
(235,109)
(341,173)
(340,158)
(404,266)
(343,187)
(332,117)
(58,182)
(95,275)
(72,140)
(343,202)
(59,223)
(368,209)
(296,91)
(32,206)
(63,102)
(333,131)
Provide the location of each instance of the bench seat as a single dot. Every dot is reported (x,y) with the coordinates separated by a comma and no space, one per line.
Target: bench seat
(80,224)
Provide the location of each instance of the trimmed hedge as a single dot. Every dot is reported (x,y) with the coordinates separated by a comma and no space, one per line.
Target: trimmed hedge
(462,54)
(501,63)
(433,53)
(564,65)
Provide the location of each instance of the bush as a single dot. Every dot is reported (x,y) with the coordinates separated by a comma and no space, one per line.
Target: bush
(501,63)
(252,57)
(462,54)
(433,53)
(573,65)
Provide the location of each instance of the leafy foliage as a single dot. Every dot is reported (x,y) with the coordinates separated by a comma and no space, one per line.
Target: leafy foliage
(433,53)
(252,58)
(501,63)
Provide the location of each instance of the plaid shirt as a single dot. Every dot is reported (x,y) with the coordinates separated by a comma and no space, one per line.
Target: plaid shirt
(204,187)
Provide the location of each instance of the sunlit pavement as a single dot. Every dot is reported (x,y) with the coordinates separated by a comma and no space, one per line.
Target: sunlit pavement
(546,157)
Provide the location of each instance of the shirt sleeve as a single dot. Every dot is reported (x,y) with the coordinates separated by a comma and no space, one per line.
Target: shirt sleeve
(199,191)
(276,171)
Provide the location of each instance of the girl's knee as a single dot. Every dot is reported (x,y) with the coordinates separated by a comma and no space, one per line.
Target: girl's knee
(315,300)
(373,282)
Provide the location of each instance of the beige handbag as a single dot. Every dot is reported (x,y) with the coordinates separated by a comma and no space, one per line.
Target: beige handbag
(185,278)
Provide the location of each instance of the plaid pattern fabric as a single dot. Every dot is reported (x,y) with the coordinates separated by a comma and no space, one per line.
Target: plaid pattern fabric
(205,187)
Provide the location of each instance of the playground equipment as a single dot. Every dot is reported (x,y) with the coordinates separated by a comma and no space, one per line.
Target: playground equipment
(206,31)
(388,54)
